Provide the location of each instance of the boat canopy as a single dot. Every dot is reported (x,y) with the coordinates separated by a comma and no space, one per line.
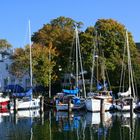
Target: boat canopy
(24,94)
(71,91)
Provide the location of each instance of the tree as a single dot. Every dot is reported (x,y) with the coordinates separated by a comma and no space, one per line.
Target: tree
(42,66)
(4,44)
(60,32)
(112,39)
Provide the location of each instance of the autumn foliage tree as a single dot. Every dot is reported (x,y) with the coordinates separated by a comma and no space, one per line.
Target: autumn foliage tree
(41,64)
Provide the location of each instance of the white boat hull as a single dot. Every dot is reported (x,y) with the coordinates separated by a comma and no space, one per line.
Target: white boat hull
(34,103)
(27,104)
(94,105)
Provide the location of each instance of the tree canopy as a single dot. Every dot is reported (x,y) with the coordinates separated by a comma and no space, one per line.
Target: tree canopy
(108,34)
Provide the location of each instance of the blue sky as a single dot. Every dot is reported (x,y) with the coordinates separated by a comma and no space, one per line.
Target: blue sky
(14,15)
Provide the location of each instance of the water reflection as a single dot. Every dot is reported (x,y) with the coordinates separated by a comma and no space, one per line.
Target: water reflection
(52,125)
(17,126)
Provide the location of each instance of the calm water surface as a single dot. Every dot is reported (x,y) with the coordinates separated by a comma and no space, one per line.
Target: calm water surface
(52,125)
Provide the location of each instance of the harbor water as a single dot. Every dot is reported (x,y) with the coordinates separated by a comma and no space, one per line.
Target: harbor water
(53,125)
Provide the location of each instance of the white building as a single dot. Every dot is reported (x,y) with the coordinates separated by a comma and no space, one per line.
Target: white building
(5,77)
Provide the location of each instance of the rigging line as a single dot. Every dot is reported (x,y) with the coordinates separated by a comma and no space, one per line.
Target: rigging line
(130,67)
(122,71)
(108,80)
(93,62)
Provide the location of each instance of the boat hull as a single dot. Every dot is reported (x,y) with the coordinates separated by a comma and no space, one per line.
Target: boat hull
(30,104)
(94,105)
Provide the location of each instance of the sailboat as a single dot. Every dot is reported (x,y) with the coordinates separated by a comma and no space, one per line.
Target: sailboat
(64,98)
(93,101)
(27,101)
(123,101)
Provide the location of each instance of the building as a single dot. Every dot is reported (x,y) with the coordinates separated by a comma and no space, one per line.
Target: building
(5,77)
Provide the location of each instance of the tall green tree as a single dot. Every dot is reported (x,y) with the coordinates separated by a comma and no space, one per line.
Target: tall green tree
(112,39)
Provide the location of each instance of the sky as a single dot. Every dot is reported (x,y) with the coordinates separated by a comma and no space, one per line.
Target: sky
(15,14)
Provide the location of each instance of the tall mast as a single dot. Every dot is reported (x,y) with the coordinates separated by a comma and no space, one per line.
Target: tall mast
(31,74)
(76,31)
(78,57)
(131,81)
(49,73)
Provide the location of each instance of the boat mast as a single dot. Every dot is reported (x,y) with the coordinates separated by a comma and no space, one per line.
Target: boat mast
(50,73)
(78,53)
(31,74)
(93,64)
(131,81)
(76,32)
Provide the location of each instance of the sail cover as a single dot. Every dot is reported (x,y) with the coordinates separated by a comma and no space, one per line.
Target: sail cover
(24,94)
(71,91)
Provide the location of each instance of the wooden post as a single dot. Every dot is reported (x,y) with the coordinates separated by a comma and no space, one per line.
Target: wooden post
(102,108)
(102,111)
(15,105)
(41,104)
(69,106)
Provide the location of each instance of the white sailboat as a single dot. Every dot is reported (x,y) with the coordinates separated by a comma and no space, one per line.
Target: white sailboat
(28,102)
(73,94)
(123,103)
(93,101)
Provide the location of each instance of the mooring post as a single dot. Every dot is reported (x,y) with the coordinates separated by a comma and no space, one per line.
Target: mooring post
(41,104)
(15,105)
(69,106)
(102,111)
(102,108)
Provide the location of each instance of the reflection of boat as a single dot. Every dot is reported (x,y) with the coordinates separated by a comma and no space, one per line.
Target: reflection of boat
(68,122)
(96,118)
(4,113)
(29,113)
(124,124)
(98,124)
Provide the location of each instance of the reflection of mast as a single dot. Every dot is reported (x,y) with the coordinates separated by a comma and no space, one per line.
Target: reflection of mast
(31,125)
(50,125)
